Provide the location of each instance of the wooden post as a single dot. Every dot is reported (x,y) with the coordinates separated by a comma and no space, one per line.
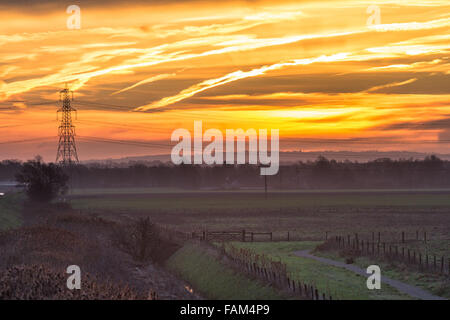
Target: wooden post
(434,262)
(420,261)
(379,237)
(425,236)
(243,235)
(403,253)
(384,247)
(409,255)
(373,236)
(251,236)
(442,264)
(288,236)
(271,236)
(426,261)
(326,235)
(448,265)
(299,286)
(348,238)
(417,234)
(403,236)
(317,294)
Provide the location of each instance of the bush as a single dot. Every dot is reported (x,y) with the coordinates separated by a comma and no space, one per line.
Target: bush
(43,182)
(37,282)
(141,239)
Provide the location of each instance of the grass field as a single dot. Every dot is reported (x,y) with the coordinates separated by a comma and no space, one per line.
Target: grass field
(436,284)
(10,211)
(340,283)
(307,215)
(214,280)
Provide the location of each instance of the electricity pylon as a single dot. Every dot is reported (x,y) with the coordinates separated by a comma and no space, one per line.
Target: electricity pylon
(67,150)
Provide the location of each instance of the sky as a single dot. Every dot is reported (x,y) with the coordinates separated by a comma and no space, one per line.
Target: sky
(330,75)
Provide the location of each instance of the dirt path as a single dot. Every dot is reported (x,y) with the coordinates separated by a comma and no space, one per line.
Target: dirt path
(400,286)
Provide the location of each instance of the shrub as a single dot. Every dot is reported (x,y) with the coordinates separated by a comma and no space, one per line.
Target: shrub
(43,182)
(37,282)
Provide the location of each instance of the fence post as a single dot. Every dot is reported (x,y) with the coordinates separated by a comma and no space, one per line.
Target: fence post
(417,234)
(288,236)
(243,235)
(448,265)
(317,294)
(434,262)
(251,236)
(425,236)
(348,237)
(420,261)
(379,237)
(373,236)
(271,237)
(442,264)
(403,236)
(426,259)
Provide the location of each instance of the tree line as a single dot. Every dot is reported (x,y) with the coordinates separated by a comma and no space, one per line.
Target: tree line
(322,173)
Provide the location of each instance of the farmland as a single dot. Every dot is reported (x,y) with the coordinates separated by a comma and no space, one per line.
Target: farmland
(305,217)
(305,214)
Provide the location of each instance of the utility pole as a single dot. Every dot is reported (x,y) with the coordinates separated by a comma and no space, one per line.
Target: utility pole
(67,150)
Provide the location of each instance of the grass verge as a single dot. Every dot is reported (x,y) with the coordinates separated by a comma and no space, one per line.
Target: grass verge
(10,207)
(214,280)
(340,283)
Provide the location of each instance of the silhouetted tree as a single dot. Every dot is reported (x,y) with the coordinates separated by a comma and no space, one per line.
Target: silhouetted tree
(43,182)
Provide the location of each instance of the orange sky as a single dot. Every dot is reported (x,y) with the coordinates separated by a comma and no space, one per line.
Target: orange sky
(313,69)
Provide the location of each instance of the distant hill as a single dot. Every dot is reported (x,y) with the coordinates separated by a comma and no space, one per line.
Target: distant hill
(294,156)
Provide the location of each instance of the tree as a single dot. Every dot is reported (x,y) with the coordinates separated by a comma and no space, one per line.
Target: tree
(43,182)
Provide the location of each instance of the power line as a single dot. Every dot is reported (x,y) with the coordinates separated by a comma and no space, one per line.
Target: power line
(125,142)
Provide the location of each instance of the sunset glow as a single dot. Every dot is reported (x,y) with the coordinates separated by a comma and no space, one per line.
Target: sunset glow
(315,70)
